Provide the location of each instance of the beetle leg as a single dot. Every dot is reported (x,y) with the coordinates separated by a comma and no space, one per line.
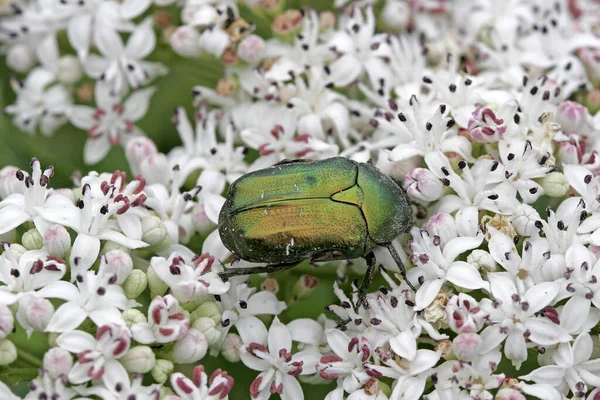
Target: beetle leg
(267,269)
(398,260)
(364,286)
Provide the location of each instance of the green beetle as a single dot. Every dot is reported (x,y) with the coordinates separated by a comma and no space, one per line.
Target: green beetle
(331,209)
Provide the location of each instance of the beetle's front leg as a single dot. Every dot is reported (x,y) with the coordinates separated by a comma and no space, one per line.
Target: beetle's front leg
(364,286)
(267,269)
(401,266)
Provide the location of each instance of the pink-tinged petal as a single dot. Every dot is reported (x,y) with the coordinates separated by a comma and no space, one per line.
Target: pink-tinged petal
(303,330)
(550,374)
(11,217)
(291,388)
(136,105)
(409,389)
(465,275)
(66,318)
(142,41)
(545,332)
(252,330)
(582,348)
(79,373)
(182,385)
(427,292)
(76,341)
(115,374)
(338,342)
(119,238)
(108,41)
(491,337)
(574,313)
(84,253)
(95,150)
(60,290)
(82,116)
(405,345)
(79,32)
(502,288)
(279,338)
(541,391)
(143,333)
(541,295)
(459,245)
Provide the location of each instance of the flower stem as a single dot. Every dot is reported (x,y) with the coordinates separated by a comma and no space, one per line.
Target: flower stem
(29,358)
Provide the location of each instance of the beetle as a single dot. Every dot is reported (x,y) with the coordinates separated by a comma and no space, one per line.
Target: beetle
(296,210)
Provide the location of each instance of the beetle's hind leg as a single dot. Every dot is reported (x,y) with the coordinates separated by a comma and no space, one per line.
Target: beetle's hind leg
(398,261)
(364,286)
(267,269)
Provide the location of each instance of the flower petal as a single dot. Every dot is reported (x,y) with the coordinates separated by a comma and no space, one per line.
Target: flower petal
(427,292)
(465,275)
(76,341)
(405,345)
(66,318)
(545,332)
(279,338)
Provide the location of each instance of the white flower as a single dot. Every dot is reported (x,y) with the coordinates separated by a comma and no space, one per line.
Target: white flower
(201,387)
(166,323)
(588,189)
(96,357)
(189,282)
(112,122)
(512,315)
(96,297)
(118,385)
(49,386)
(22,205)
(574,369)
(39,103)
(270,353)
(122,66)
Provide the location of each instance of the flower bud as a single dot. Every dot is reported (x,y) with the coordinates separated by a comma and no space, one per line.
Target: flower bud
(7,321)
(157,287)
(138,148)
(305,286)
(422,184)
(209,328)
(272,7)
(209,309)
(202,224)
(17,250)
(555,184)
(135,284)
(572,117)
(8,352)
(154,230)
(139,359)
(570,152)
(191,348)
(9,183)
(287,24)
(396,15)
(482,260)
(185,41)
(57,361)
(116,263)
(37,313)
(85,93)
(466,346)
(525,219)
(162,370)
(230,347)
(162,19)
(21,58)
(132,317)
(464,314)
(57,241)
(32,240)
(270,285)
(509,394)
(443,226)
(251,49)
(69,70)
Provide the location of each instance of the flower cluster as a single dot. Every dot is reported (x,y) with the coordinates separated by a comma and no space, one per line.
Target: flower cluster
(486,113)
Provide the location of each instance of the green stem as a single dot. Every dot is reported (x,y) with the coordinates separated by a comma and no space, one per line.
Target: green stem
(29,358)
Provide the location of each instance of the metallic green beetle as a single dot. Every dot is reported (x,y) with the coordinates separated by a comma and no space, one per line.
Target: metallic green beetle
(313,210)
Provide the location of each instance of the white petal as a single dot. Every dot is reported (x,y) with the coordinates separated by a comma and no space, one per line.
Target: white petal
(82,116)
(305,330)
(574,313)
(338,342)
(106,316)
(491,337)
(291,388)
(502,288)
(252,330)
(143,333)
(405,345)
(515,348)
(114,374)
(550,374)
(131,9)
(60,290)
(119,238)
(66,318)
(12,217)
(541,295)
(265,302)
(404,152)
(427,292)
(79,33)
(545,332)
(582,348)
(279,338)
(411,388)
(79,373)
(344,70)
(84,253)
(95,150)
(465,275)
(108,41)
(459,245)
(136,105)
(76,341)
(130,225)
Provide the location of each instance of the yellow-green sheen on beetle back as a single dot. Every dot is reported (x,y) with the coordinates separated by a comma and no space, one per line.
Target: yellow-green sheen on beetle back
(319,210)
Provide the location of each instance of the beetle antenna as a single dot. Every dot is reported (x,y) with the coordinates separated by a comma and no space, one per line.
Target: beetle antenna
(398,261)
